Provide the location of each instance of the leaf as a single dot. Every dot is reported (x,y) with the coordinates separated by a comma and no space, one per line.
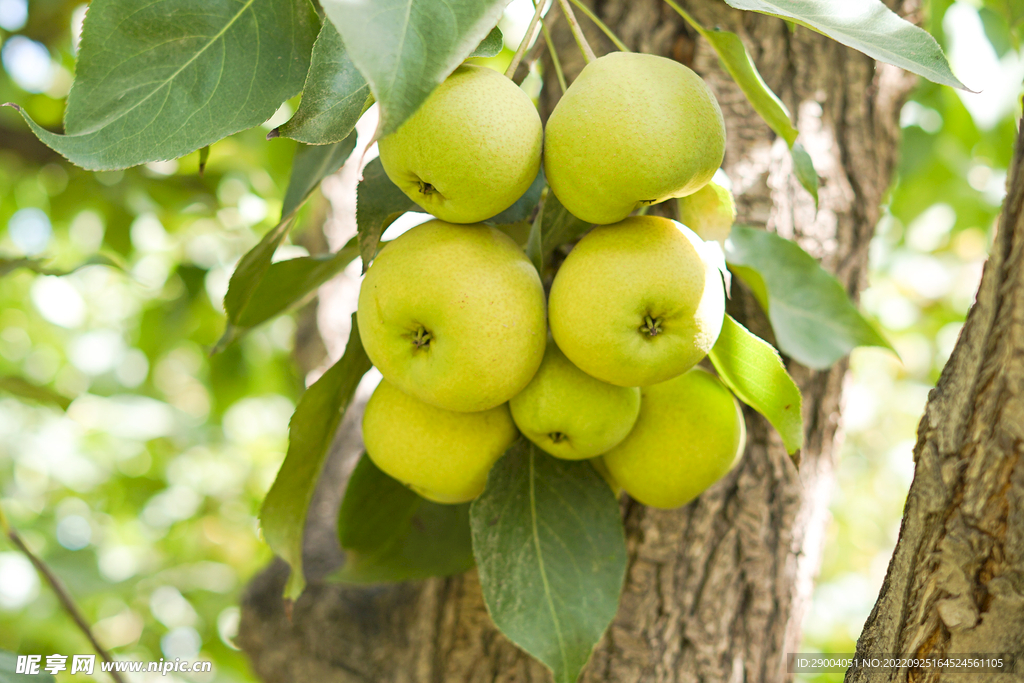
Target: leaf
(289,282)
(754,371)
(734,57)
(158,79)
(9,664)
(378,203)
(312,427)
(550,548)
(20,386)
(867,26)
(391,534)
(490,46)
(803,167)
(334,97)
(406,48)
(813,318)
(311,165)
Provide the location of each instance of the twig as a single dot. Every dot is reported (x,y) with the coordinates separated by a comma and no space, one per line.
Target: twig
(61,591)
(554,57)
(601,25)
(531,32)
(686,16)
(577,32)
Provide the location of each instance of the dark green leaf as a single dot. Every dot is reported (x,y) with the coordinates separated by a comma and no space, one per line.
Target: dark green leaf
(378,203)
(8,265)
(737,62)
(868,26)
(813,318)
(312,164)
(391,534)
(157,80)
(803,167)
(552,227)
(491,45)
(334,97)
(20,386)
(406,48)
(310,432)
(754,371)
(524,206)
(9,664)
(549,544)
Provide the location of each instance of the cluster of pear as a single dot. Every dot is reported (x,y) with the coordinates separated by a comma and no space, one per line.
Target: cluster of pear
(455,317)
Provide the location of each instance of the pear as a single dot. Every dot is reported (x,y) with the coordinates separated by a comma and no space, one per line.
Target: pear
(635,303)
(442,455)
(633,129)
(454,315)
(571,415)
(689,434)
(709,212)
(470,151)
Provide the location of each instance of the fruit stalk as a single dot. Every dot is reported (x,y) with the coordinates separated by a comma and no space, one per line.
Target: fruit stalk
(601,25)
(528,37)
(577,32)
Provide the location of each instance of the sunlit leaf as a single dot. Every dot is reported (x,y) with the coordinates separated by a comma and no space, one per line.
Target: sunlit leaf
(868,26)
(310,432)
(334,97)
(406,48)
(754,371)
(391,534)
(551,553)
(803,168)
(813,318)
(157,80)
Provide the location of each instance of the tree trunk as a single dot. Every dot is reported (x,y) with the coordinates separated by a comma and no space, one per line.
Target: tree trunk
(715,591)
(956,579)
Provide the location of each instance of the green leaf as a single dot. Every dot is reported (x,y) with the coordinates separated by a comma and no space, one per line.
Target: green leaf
(406,48)
(9,664)
(391,534)
(19,386)
(736,60)
(549,544)
(754,371)
(813,318)
(803,167)
(312,164)
(334,97)
(552,227)
(310,432)
(289,282)
(378,203)
(867,26)
(158,79)
(491,45)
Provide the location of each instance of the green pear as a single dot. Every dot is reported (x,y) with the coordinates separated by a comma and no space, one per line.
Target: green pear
(689,435)
(635,303)
(470,151)
(709,212)
(453,315)
(633,129)
(571,415)
(442,455)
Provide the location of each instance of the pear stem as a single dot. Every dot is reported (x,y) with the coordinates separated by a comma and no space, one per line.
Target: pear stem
(601,25)
(689,20)
(528,38)
(577,32)
(554,58)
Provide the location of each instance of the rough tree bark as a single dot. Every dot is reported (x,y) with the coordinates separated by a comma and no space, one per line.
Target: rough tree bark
(955,583)
(716,590)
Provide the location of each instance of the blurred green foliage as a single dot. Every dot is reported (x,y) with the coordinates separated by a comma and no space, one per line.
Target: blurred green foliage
(143,495)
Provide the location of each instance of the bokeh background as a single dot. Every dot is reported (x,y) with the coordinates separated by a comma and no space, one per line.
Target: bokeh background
(142,495)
